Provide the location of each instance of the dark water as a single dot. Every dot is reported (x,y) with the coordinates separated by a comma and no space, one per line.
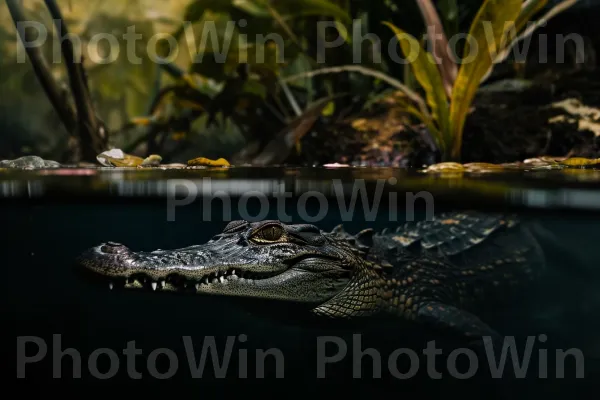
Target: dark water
(47,220)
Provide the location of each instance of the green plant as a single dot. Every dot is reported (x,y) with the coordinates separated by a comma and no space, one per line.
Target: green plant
(245,49)
(450,88)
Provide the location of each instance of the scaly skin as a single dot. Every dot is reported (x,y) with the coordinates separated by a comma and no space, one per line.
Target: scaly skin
(439,272)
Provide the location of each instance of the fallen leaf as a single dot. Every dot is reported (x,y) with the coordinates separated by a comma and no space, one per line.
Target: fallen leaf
(580,162)
(446,166)
(202,161)
(117,158)
(483,167)
(153,159)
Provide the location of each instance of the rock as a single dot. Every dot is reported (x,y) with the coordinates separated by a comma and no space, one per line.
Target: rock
(336,165)
(173,166)
(29,162)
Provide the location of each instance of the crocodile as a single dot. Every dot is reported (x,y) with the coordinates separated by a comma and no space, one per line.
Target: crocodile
(438,272)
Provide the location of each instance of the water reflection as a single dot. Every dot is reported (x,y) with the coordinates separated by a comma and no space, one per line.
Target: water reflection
(28,188)
(574,188)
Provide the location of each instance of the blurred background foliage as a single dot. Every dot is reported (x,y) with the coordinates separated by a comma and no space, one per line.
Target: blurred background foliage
(242,105)
(121,89)
(234,108)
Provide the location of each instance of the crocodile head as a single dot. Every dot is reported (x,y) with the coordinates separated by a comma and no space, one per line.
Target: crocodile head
(266,260)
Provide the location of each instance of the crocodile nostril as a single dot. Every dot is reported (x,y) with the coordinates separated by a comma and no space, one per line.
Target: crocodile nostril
(113,248)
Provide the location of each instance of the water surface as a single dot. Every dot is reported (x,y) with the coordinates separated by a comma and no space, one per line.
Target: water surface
(49,217)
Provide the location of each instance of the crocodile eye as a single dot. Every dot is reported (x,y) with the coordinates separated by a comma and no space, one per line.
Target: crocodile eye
(269,233)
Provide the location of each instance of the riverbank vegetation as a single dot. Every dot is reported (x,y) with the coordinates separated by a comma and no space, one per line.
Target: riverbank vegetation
(307,82)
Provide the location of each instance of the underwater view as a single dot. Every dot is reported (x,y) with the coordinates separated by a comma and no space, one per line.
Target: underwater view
(302,198)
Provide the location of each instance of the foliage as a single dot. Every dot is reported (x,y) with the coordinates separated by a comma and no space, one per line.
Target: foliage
(493,31)
(228,80)
(237,32)
(120,89)
(245,49)
(450,13)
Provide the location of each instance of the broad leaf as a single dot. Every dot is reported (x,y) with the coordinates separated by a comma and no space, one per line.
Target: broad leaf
(428,75)
(441,49)
(487,30)
(529,9)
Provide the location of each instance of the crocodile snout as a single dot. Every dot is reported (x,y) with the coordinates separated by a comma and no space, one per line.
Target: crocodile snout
(113,248)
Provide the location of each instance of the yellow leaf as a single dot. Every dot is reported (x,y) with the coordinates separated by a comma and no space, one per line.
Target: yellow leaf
(428,75)
(499,15)
(127,161)
(329,109)
(177,136)
(141,121)
(152,159)
(580,162)
(445,167)
(361,124)
(201,161)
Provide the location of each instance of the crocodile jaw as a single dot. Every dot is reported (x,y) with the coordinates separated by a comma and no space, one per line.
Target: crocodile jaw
(205,270)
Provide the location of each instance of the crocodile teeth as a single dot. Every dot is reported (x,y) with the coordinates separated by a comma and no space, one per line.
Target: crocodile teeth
(233,272)
(197,286)
(163,283)
(221,279)
(110,285)
(153,285)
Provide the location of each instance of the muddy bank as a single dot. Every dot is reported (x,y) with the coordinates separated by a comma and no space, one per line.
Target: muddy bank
(512,121)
